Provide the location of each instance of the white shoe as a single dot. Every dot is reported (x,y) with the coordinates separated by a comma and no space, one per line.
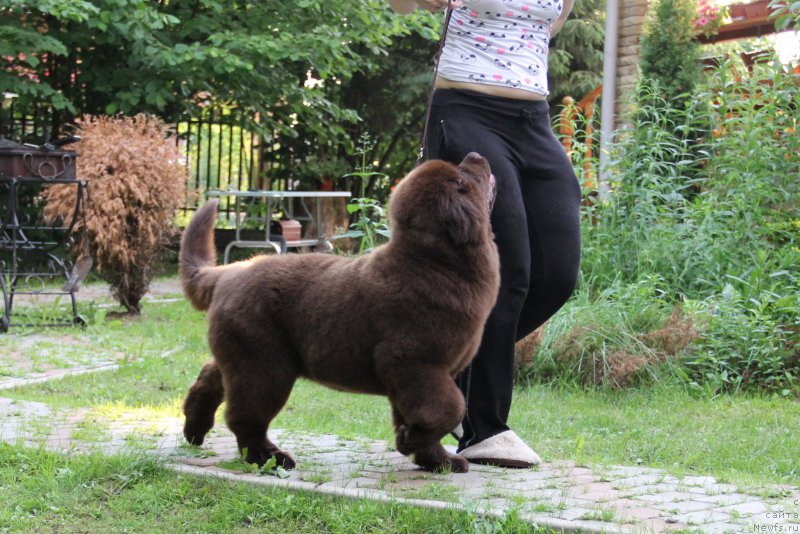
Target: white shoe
(505,449)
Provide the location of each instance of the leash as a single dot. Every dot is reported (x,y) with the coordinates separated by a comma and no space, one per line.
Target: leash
(423,137)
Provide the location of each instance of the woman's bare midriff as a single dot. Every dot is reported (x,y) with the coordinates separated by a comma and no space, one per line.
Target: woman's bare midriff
(493,90)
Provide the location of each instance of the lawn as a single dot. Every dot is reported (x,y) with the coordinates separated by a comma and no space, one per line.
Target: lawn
(92,493)
(741,439)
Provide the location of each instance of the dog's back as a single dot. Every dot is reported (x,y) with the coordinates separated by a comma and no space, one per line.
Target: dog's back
(331,314)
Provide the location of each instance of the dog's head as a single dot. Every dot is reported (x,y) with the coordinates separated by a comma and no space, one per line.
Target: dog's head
(450,200)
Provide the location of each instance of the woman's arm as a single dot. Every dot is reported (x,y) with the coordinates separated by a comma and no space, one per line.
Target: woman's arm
(561,18)
(404,7)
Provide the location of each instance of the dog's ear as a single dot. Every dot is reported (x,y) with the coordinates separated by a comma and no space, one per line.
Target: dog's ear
(462,215)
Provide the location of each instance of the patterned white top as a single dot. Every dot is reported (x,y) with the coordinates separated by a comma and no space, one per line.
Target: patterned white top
(500,42)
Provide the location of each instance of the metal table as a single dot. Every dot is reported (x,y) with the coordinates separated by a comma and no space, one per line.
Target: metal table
(34,251)
(272,201)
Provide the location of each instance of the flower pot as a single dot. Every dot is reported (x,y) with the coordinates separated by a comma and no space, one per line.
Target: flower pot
(752,11)
(736,11)
(756,10)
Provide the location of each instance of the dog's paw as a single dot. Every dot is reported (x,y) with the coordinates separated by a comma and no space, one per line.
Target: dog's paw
(193,435)
(284,460)
(456,464)
(260,456)
(402,434)
(437,460)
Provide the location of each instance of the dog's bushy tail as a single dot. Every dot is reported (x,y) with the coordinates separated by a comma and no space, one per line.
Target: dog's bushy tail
(198,257)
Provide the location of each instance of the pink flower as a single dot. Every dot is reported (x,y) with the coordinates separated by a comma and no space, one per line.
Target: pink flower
(703,21)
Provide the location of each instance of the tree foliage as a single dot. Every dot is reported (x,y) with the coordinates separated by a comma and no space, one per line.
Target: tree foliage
(576,52)
(163,57)
(311,76)
(670,53)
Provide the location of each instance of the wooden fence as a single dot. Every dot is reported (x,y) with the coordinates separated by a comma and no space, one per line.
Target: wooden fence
(576,128)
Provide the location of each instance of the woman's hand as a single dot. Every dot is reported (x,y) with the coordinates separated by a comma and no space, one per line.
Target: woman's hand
(437,5)
(407,6)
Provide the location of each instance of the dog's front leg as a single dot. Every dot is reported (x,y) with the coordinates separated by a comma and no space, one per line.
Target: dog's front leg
(421,420)
(425,448)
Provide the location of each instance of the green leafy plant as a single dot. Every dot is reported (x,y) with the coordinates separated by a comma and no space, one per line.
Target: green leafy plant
(369,216)
(785,13)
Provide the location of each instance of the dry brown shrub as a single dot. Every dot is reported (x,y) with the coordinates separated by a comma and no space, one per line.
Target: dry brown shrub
(618,368)
(622,367)
(525,349)
(136,182)
(675,334)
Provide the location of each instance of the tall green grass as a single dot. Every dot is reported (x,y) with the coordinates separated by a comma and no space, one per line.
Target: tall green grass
(701,219)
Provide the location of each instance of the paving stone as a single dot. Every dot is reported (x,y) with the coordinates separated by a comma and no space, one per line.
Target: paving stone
(720,488)
(639,481)
(667,497)
(600,496)
(361,482)
(745,509)
(595,487)
(548,495)
(636,491)
(630,470)
(638,514)
(683,507)
(201,462)
(659,525)
(723,499)
(701,517)
(698,481)
(588,525)
(575,513)
(519,475)
(725,528)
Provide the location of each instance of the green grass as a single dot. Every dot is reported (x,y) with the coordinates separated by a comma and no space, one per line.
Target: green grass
(742,439)
(90,493)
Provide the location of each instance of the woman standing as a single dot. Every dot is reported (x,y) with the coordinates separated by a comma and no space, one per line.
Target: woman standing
(490,97)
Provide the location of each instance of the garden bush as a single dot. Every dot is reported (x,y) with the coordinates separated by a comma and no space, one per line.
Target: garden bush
(698,234)
(136,182)
(670,53)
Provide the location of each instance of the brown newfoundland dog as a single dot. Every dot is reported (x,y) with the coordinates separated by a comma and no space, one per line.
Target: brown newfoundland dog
(401,321)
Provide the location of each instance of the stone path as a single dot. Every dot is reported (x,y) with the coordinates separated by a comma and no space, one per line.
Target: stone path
(559,495)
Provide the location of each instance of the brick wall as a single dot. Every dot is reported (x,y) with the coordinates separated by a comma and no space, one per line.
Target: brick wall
(631,18)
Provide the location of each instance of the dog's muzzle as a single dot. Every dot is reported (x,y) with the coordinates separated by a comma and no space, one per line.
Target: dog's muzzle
(473,159)
(491,196)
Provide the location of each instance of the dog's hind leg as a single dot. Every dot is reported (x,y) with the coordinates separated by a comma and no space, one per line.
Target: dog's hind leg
(253,399)
(201,403)
(426,405)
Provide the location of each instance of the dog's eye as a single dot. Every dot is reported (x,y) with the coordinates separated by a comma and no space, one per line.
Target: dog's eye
(462,185)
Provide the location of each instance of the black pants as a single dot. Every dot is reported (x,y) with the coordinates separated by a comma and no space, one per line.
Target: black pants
(536,225)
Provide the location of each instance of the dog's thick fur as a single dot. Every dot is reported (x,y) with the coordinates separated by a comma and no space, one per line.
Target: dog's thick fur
(401,321)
